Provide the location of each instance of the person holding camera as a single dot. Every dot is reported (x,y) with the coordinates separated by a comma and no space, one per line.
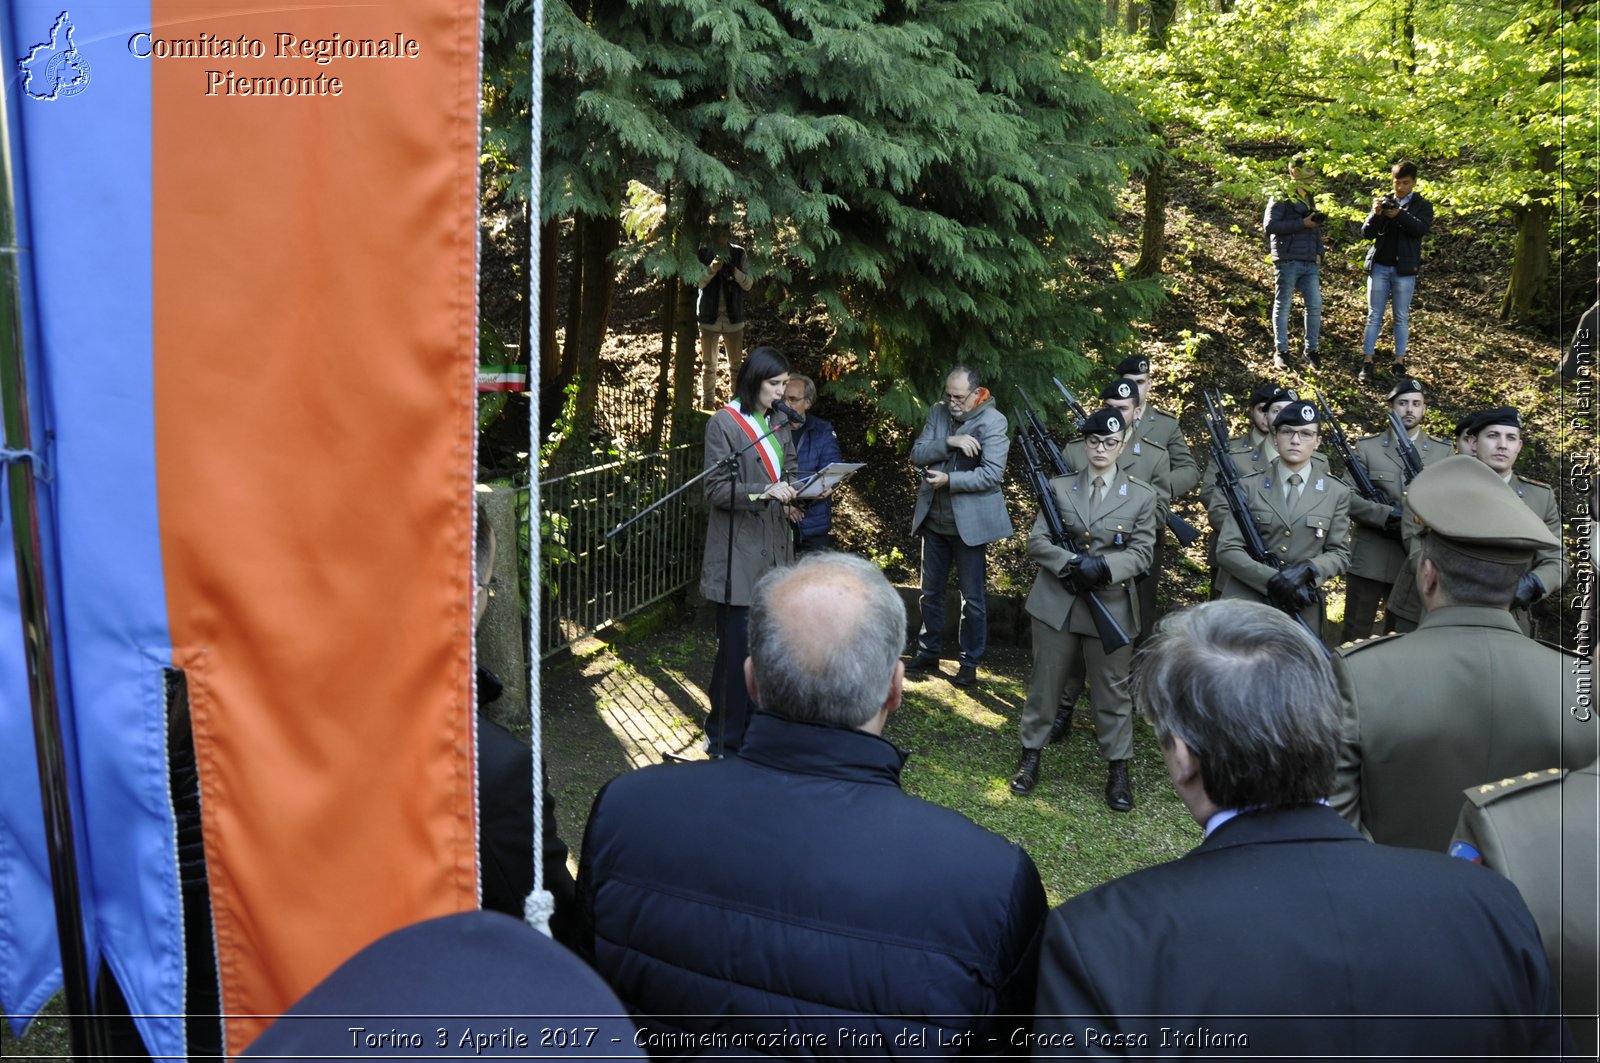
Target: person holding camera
(1396,226)
(720,308)
(1294,225)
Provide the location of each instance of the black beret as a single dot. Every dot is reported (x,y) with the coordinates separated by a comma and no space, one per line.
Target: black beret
(1104,422)
(1297,414)
(1121,388)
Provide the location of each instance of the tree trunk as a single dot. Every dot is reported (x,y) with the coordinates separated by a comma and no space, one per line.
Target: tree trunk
(1112,9)
(1406,32)
(574,315)
(1153,242)
(1530,256)
(601,237)
(1131,12)
(549,365)
(1161,12)
(685,386)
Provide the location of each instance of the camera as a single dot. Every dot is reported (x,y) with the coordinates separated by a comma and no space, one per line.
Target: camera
(1319,217)
(1388,203)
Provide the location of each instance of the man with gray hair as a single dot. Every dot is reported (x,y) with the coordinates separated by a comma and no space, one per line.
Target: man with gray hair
(1285,933)
(792,899)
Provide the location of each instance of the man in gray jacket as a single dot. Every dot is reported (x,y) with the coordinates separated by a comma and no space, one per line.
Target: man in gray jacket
(962,451)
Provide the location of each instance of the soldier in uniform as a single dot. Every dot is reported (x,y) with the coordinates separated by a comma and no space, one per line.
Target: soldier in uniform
(1498,442)
(1466,697)
(1403,611)
(1155,426)
(1538,830)
(1377,554)
(1148,461)
(1303,514)
(1110,521)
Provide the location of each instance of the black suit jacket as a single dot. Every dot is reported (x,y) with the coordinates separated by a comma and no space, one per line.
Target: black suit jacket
(1288,929)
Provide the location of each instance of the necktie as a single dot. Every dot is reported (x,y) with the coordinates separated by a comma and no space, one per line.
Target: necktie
(1097,496)
(1295,480)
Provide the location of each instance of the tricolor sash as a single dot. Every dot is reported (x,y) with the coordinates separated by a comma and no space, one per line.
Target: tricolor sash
(770,452)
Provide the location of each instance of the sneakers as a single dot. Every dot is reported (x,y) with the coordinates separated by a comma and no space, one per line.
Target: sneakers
(1279,362)
(1367,375)
(1399,368)
(923,662)
(1314,359)
(966,677)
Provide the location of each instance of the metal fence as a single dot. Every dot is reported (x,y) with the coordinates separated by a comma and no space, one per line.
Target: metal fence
(592,581)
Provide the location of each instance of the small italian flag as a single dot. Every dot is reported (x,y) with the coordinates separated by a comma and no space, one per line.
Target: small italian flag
(502,378)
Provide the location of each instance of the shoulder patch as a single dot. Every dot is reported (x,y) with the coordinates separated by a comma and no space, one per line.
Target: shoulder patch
(1490,792)
(1366,644)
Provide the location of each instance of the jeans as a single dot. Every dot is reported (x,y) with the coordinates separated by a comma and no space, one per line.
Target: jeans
(938,551)
(1381,282)
(1305,276)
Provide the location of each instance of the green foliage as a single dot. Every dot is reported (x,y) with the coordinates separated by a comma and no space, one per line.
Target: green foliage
(1493,88)
(930,175)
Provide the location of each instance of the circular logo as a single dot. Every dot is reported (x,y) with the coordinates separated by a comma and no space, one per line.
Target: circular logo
(67,74)
(1124,391)
(1113,425)
(1307,414)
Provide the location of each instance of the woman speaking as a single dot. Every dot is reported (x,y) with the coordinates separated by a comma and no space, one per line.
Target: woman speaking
(747,534)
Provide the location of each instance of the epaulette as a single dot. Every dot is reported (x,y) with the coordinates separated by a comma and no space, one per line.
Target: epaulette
(1367,643)
(1490,792)
(1156,411)
(1535,483)
(1147,485)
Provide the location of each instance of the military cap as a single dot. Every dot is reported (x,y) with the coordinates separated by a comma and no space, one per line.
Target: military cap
(1121,388)
(1466,503)
(1133,365)
(1504,415)
(1297,414)
(1406,385)
(1269,393)
(1468,425)
(1103,422)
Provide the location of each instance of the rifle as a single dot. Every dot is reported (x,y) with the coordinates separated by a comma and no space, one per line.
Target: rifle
(1228,483)
(1410,460)
(1358,470)
(1042,439)
(1079,414)
(1112,637)
(1181,529)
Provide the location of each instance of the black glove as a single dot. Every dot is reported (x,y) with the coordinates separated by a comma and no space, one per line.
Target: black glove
(1095,571)
(1075,578)
(1287,589)
(1530,588)
(1391,526)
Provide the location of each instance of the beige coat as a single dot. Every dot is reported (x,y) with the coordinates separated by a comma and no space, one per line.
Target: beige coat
(760,529)
(1316,528)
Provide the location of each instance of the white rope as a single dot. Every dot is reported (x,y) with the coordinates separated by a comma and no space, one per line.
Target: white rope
(539,905)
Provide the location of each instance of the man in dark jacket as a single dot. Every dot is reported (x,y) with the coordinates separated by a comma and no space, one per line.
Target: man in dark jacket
(791,900)
(1294,225)
(1396,226)
(1285,933)
(719,309)
(815,448)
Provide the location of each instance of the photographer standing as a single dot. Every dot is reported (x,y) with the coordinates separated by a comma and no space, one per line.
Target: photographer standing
(1396,226)
(720,309)
(1294,225)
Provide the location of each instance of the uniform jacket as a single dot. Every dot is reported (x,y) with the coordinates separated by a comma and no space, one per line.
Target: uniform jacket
(816,447)
(1373,555)
(761,537)
(1146,460)
(1316,529)
(1285,224)
(980,508)
(1249,456)
(1288,912)
(796,883)
(1124,533)
(1464,698)
(1538,830)
(1549,564)
(1412,223)
(1161,427)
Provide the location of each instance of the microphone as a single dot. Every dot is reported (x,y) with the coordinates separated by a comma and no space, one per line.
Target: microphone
(788,411)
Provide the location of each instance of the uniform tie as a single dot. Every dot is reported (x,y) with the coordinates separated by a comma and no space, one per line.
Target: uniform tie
(1294,490)
(1097,496)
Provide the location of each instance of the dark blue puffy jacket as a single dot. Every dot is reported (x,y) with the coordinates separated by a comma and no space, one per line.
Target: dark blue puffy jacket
(794,890)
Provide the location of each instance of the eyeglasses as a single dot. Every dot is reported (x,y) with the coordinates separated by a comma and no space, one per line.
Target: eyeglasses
(1299,435)
(1099,443)
(957,398)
